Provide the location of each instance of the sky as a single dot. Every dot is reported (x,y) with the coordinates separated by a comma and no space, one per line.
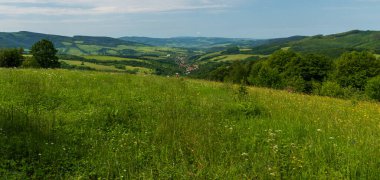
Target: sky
(257,19)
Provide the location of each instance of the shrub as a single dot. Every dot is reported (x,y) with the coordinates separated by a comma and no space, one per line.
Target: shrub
(295,84)
(332,89)
(263,75)
(11,57)
(30,62)
(372,88)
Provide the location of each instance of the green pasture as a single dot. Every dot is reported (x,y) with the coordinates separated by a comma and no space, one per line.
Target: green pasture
(61,124)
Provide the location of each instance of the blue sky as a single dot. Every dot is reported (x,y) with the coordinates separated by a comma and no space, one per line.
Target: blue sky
(171,18)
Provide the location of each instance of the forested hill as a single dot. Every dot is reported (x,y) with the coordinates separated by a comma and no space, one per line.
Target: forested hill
(27,39)
(85,45)
(332,45)
(196,42)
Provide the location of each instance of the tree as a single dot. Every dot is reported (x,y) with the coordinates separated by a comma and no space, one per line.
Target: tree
(355,68)
(314,67)
(11,57)
(263,75)
(238,72)
(372,88)
(44,53)
(30,62)
(310,67)
(281,58)
(219,74)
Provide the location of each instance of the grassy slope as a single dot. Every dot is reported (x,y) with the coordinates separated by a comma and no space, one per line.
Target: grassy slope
(68,124)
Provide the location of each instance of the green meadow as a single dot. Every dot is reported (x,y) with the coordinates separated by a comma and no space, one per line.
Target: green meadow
(235,57)
(61,124)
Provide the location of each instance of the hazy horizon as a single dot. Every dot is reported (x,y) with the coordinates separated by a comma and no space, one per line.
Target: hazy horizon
(256,19)
(249,38)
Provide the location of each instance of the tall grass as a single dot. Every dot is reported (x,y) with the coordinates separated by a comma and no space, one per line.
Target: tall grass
(67,124)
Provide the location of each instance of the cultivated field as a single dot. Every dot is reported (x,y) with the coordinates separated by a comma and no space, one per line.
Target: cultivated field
(74,124)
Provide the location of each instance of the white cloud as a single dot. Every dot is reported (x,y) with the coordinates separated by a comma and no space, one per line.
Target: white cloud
(94,7)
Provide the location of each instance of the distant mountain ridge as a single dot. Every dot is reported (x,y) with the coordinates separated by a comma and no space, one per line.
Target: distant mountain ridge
(76,45)
(195,42)
(26,39)
(332,45)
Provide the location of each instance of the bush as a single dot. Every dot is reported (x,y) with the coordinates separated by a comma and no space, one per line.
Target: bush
(295,84)
(30,62)
(332,89)
(372,88)
(11,57)
(265,76)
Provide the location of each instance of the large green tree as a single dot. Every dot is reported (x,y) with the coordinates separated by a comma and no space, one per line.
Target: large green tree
(355,68)
(281,58)
(310,67)
(44,53)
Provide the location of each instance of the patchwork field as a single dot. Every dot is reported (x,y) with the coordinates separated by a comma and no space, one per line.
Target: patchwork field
(235,57)
(92,125)
(99,67)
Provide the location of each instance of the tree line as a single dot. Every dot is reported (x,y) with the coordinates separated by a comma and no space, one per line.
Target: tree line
(43,56)
(353,74)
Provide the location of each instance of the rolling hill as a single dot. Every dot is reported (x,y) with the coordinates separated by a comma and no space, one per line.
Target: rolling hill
(84,45)
(195,42)
(332,45)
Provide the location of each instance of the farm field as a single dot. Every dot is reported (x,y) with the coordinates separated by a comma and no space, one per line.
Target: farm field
(100,67)
(235,57)
(94,125)
(221,58)
(92,65)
